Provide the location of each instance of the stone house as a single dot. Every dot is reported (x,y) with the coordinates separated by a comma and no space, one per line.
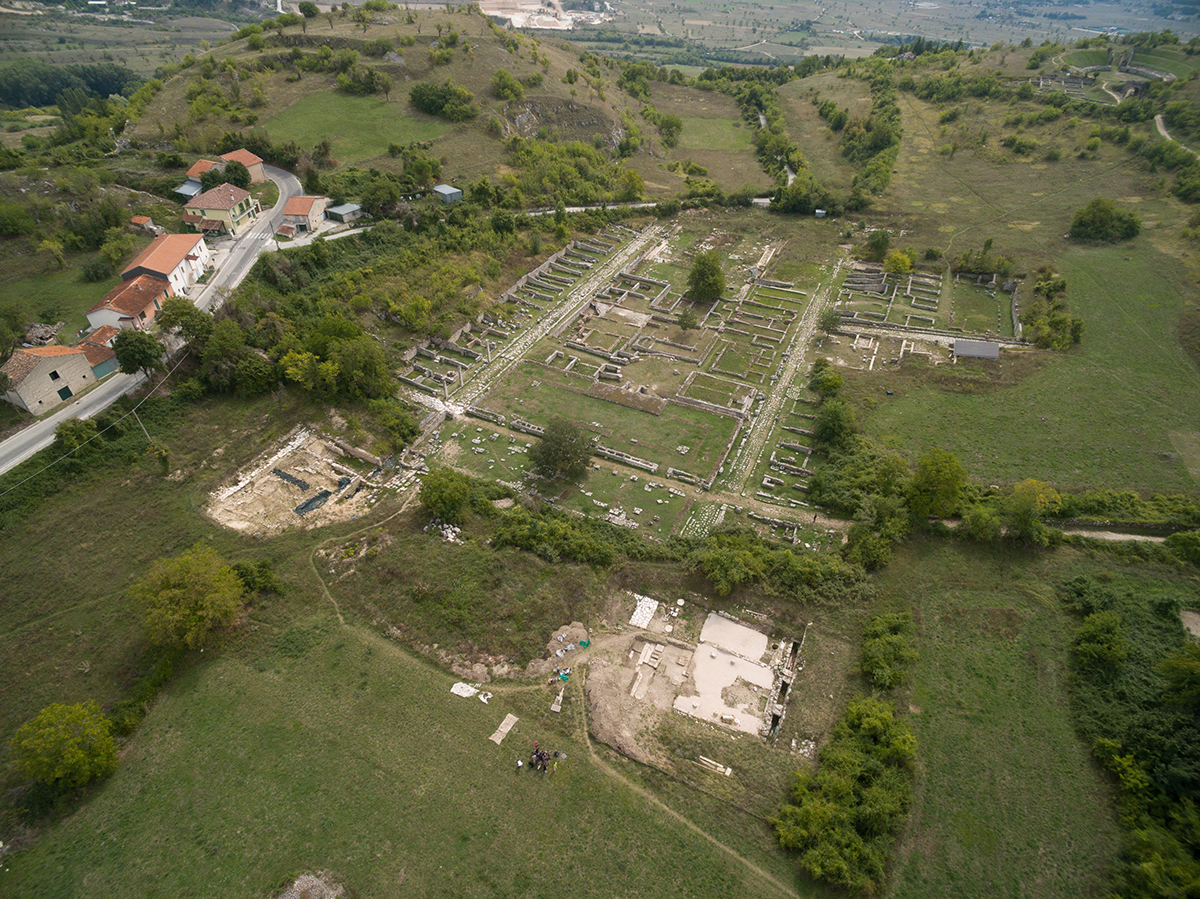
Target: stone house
(42,377)
(304,213)
(253,164)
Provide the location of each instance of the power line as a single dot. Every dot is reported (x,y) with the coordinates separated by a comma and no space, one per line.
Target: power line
(96,435)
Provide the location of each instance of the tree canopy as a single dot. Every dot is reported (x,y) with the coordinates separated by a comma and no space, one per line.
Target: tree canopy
(1101,220)
(937,487)
(187,597)
(234,173)
(66,746)
(138,351)
(706,281)
(444,493)
(563,452)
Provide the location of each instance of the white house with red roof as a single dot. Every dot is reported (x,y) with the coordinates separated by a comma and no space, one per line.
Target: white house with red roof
(41,377)
(178,259)
(131,304)
(97,347)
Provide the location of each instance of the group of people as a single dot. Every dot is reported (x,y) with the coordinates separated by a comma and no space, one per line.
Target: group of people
(541,759)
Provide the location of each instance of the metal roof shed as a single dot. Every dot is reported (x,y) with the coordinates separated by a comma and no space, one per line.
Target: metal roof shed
(977,349)
(448,193)
(347,212)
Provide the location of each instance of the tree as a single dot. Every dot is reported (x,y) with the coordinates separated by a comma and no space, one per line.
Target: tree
(219,361)
(138,351)
(444,493)
(506,87)
(688,320)
(1031,500)
(1181,671)
(825,379)
(54,249)
(878,244)
(829,320)
(937,487)
(308,9)
(180,315)
(73,434)
(706,281)
(118,244)
(66,746)
(234,173)
(1101,220)
(187,597)
(563,452)
(897,263)
(834,425)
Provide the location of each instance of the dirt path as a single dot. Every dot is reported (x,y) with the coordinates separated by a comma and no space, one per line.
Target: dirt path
(1162,129)
(782,888)
(1113,536)
(764,423)
(514,351)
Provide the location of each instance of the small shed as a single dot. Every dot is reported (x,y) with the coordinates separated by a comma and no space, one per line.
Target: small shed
(346,212)
(977,349)
(448,193)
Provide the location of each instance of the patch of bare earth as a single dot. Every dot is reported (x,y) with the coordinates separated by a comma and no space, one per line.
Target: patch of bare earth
(262,498)
(321,885)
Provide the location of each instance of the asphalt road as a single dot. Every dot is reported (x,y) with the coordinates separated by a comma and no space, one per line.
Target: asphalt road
(234,260)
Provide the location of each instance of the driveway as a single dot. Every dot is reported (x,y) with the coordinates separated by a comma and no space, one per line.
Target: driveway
(233,259)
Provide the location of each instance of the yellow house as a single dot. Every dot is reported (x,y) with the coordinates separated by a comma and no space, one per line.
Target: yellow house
(225,208)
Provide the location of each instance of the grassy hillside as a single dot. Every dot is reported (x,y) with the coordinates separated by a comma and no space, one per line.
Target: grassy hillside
(306,107)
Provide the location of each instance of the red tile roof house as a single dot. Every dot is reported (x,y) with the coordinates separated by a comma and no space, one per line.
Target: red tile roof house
(97,347)
(225,208)
(304,213)
(192,186)
(41,377)
(178,259)
(252,163)
(131,304)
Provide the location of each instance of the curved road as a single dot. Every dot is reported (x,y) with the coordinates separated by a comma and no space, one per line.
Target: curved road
(234,261)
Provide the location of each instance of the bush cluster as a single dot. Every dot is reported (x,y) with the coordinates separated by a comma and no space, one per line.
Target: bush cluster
(842,819)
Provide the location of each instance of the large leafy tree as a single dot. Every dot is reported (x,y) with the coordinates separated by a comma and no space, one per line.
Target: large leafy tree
(563,451)
(66,746)
(937,487)
(187,597)
(138,351)
(234,173)
(706,280)
(444,493)
(180,315)
(1101,220)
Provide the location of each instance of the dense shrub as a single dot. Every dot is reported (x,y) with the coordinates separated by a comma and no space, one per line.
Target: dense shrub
(842,819)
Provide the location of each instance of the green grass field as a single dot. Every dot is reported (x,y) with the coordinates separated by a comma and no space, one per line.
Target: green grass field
(352,757)
(358,127)
(58,296)
(1100,415)
(1092,56)
(1165,59)
(1008,802)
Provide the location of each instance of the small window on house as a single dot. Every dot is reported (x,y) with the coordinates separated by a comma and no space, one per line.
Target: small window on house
(142,316)
(54,376)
